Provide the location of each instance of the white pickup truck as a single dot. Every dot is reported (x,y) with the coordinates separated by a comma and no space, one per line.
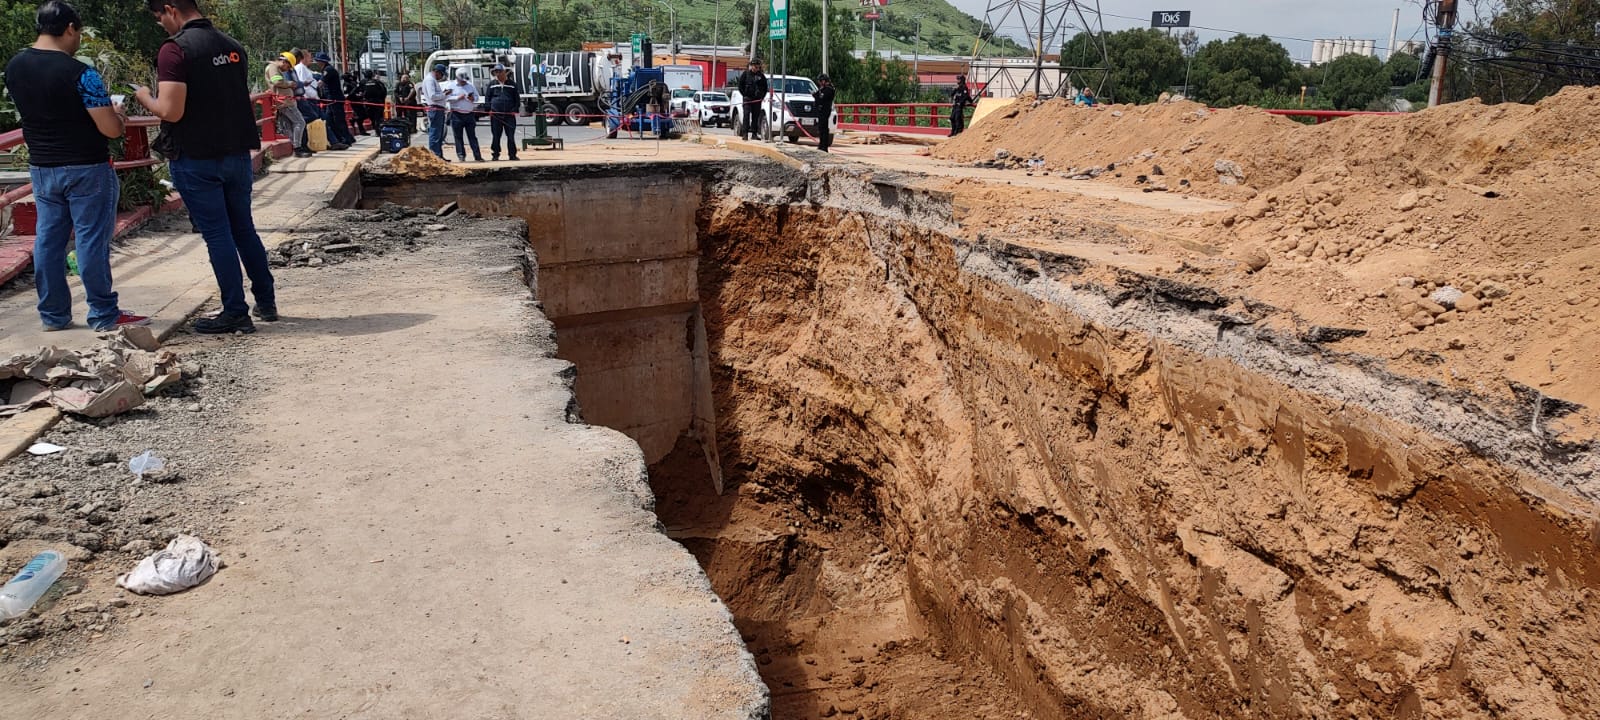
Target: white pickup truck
(800,119)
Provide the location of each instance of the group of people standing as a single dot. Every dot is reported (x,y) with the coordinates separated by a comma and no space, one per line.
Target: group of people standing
(310,88)
(453,104)
(208,130)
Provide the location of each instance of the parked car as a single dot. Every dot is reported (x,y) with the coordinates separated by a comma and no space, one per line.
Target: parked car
(713,108)
(681,103)
(790,107)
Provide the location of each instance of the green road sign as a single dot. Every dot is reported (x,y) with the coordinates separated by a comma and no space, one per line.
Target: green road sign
(638,44)
(778,20)
(493,43)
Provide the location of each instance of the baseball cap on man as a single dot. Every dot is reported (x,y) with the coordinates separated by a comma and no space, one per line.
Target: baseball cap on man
(440,68)
(322,57)
(463,74)
(499,67)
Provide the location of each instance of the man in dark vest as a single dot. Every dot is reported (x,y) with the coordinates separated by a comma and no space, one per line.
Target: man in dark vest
(333,99)
(505,99)
(208,129)
(67,117)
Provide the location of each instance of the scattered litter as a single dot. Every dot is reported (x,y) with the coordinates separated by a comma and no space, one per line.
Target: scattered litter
(448,209)
(19,595)
(185,563)
(146,462)
(44,448)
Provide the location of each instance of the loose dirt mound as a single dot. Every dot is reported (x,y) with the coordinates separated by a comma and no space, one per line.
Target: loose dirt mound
(1360,221)
(415,162)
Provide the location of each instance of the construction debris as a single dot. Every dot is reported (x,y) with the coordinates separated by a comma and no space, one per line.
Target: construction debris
(112,378)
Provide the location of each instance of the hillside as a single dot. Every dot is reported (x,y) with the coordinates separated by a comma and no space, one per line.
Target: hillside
(945,29)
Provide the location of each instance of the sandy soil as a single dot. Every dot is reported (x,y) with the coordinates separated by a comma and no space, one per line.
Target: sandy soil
(1355,223)
(416,530)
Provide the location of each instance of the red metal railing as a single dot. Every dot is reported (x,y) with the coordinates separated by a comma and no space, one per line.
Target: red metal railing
(16,250)
(925,118)
(934,118)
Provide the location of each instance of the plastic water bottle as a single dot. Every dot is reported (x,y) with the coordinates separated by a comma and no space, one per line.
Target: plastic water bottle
(19,595)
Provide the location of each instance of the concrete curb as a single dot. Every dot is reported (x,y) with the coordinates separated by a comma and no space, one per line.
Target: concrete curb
(19,432)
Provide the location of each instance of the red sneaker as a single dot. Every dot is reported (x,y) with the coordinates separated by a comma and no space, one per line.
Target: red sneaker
(127,320)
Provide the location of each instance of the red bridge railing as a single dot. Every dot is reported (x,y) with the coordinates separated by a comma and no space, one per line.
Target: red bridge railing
(924,118)
(16,249)
(934,118)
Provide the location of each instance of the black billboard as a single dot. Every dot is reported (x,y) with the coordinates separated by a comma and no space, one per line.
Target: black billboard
(1169,19)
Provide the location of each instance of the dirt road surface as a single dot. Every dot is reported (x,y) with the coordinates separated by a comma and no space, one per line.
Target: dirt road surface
(424,534)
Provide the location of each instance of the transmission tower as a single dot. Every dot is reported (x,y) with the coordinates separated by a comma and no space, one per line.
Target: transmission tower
(1048,25)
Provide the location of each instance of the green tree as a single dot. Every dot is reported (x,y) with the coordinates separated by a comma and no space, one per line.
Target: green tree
(1352,82)
(805,46)
(1241,69)
(1144,63)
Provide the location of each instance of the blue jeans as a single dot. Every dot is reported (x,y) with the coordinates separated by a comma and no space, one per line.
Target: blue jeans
(81,199)
(217,194)
(466,123)
(436,122)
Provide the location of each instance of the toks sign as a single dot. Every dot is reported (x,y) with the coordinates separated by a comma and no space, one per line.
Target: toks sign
(1169,19)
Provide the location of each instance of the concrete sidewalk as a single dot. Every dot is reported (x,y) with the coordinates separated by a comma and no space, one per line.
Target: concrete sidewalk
(166,275)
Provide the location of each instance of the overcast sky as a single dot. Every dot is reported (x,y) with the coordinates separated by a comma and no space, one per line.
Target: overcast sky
(1284,19)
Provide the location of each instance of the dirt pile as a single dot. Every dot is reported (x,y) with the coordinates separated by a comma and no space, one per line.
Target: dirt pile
(414,162)
(1355,222)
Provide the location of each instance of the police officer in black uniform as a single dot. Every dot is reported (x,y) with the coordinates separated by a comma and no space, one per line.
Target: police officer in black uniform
(753,91)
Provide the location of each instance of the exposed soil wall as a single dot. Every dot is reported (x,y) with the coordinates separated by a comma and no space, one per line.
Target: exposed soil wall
(1121,519)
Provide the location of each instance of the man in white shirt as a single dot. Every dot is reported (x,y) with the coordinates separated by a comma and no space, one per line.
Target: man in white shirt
(464,116)
(433,95)
(310,108)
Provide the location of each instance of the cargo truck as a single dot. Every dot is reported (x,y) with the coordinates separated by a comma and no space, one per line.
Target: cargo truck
(575,82)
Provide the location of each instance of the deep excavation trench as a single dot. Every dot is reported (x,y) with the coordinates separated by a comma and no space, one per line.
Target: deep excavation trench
(968,479)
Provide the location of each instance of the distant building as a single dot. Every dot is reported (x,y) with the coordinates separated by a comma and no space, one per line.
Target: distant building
(1327,50)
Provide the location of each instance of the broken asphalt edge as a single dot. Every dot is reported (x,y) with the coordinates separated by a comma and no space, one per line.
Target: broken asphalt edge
(22,430)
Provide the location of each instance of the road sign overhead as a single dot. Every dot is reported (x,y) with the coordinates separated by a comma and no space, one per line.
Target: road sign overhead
(778,20)
(492,43)
(1169,18)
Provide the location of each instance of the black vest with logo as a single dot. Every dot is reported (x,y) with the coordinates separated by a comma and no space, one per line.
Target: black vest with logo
(218,119)
(55,123)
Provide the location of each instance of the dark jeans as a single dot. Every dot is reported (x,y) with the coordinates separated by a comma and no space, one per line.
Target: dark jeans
(958,119)
(465,123)
(437,117)
(338,127)
(79,199)
(217,194)
(753,117)
(503,124)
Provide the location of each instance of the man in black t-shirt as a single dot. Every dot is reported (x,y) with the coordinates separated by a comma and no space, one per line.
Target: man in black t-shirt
(67,116)
(204,104)
(405,98)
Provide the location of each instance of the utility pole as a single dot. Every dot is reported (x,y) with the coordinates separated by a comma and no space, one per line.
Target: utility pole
(1038,54)
(344,51)
(916,56)
(716,24)
(825,4)
(1394,33)
(1446,22)
(755,24)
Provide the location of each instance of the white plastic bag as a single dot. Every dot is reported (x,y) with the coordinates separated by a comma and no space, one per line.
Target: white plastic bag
(185,563)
